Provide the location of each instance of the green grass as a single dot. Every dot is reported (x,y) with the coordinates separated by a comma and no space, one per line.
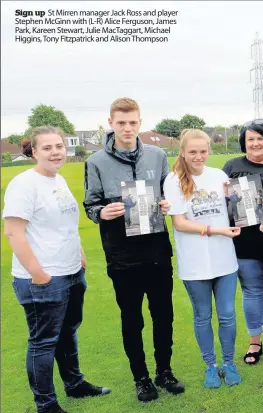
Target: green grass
(101,352)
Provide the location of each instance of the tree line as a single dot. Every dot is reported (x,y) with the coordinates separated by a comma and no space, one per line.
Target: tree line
(49,115)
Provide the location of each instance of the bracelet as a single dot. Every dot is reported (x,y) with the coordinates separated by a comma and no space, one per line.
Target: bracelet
(208,231)
(204,230)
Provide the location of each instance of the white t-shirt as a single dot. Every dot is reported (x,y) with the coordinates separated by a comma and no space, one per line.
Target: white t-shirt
(53,217)
(202,257)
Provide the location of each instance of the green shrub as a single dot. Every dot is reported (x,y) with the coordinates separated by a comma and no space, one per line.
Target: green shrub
(18,163)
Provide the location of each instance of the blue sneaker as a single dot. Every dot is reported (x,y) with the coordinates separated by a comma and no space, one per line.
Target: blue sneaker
(212,378)
(230,374)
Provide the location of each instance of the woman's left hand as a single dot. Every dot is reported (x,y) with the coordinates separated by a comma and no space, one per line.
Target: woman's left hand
(83,259)
(226,186)
(165,206)
(261,228)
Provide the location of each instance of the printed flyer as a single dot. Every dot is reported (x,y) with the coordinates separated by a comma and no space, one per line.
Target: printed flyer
(245,200)
(143,213)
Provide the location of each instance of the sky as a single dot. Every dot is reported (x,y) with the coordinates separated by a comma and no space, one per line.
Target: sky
(203,70)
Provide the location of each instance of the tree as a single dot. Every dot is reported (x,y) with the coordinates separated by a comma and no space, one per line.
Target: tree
(15,139)
(6,157)
(80,151)
(233,138)
(220,128)
(191,122)
(49,115)
(28,133)
(236,128)
(168,127)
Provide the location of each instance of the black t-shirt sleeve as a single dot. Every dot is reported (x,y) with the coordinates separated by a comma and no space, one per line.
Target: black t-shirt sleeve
(227,168)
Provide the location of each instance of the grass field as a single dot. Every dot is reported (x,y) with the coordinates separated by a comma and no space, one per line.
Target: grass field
(101,353)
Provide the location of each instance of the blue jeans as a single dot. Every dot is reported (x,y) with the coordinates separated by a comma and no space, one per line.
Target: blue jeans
(200,293)
(53,313)
(251,280)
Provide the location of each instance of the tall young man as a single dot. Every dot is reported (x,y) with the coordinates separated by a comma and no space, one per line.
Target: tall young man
(137,265)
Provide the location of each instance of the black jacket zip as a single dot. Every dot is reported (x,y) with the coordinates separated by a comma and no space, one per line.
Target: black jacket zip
(134,171)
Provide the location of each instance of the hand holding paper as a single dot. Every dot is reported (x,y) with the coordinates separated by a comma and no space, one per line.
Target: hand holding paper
(112,211)
(165,206)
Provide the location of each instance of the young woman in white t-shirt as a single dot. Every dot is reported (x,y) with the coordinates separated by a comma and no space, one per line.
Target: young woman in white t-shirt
(41,223)
(206,257)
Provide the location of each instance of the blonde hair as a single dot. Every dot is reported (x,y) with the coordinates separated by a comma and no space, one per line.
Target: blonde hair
(124,105)
(28,144)
(180,168)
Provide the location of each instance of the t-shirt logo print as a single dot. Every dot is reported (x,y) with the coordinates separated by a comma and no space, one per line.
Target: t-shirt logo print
(65,200)
(206,203)
(150,174)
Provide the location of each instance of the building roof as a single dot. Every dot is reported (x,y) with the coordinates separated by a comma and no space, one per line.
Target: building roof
(92,147)
(86,133)
(154,138)
(14,157)
(10,147)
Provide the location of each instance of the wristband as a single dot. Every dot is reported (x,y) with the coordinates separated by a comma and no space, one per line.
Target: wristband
(204,230)
(208,231)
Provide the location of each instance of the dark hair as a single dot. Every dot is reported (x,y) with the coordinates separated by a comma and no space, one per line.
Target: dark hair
(255,127)
(27,148)
(28,144)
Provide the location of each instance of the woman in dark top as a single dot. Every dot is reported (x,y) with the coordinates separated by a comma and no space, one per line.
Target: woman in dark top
(249,245)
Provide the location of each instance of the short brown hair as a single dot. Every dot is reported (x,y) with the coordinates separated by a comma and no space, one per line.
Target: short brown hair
(123,105)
